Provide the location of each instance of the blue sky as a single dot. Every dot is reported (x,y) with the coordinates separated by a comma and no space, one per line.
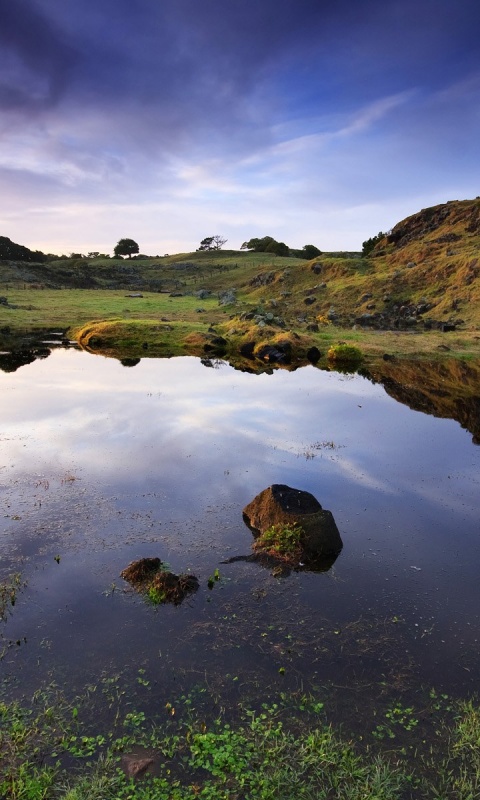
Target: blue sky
(167,121)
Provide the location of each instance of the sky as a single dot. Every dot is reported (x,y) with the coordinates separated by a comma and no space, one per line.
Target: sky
(313,121)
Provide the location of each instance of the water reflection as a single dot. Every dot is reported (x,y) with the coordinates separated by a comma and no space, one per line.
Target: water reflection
(102,465)
(447,388)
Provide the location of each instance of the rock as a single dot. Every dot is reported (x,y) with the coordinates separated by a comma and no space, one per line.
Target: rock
(313,327)
(134,766)
(202,294)
(316,268)
(174,587)
(309,300)
(314,354)
(282,505)
(275,354)
(141,570)
(134,294)
(263,279)
(227,297)
(149,574)
(247,348)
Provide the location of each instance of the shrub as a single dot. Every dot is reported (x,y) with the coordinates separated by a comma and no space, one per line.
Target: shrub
(344,354)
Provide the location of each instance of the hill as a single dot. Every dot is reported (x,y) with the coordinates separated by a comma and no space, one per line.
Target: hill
(422,274)
(10,250)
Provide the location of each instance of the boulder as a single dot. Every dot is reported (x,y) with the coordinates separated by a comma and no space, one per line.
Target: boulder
(281,505)
(227,297)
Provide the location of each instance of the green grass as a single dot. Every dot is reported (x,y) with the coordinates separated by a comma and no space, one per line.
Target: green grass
(70,308)
(281,541)
(284,750)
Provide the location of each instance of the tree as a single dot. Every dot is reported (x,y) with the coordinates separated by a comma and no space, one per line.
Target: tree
(266,245)
(278,248)
(310,251)
(258,245)
(371,243)
(126,247)
(212,243)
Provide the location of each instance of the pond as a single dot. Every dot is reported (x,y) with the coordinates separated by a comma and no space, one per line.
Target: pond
(102,464)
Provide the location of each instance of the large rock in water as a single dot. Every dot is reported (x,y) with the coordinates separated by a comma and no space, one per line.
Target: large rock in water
(282,505)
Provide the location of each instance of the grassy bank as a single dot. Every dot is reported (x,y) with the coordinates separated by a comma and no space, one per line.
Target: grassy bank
(147,319)
(285,748)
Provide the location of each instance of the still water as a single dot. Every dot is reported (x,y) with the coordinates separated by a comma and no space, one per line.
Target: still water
(101,464)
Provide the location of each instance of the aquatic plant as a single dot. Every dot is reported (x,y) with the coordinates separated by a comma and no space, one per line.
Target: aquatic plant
(8,593)
(284,749)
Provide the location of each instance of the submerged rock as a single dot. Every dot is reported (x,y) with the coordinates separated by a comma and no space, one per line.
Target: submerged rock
(280,505)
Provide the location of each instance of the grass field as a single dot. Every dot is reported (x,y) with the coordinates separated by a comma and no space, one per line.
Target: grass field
(70,309)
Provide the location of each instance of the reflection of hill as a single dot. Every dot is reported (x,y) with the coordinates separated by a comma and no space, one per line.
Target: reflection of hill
(449,389)
(10,362)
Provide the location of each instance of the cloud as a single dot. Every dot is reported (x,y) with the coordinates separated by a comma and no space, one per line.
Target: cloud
(278,113)
(36,61)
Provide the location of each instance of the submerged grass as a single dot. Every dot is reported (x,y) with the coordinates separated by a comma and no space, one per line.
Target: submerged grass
(284,749)
(9,588)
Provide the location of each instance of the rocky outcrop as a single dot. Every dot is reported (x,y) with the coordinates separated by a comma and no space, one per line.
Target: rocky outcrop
(429,220)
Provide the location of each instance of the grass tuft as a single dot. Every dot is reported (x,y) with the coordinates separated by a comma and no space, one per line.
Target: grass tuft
(281,541)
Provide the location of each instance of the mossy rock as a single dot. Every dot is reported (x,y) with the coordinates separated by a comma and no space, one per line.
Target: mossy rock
(152,578)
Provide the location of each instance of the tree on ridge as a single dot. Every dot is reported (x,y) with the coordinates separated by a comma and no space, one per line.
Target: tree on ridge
(126,247)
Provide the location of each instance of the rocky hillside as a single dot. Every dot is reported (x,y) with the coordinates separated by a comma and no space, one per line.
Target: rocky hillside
(433,257)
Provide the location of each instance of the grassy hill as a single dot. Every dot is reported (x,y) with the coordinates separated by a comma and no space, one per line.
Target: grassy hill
(421,275)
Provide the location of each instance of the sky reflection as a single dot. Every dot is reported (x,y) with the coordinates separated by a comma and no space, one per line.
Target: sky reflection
(102,464)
